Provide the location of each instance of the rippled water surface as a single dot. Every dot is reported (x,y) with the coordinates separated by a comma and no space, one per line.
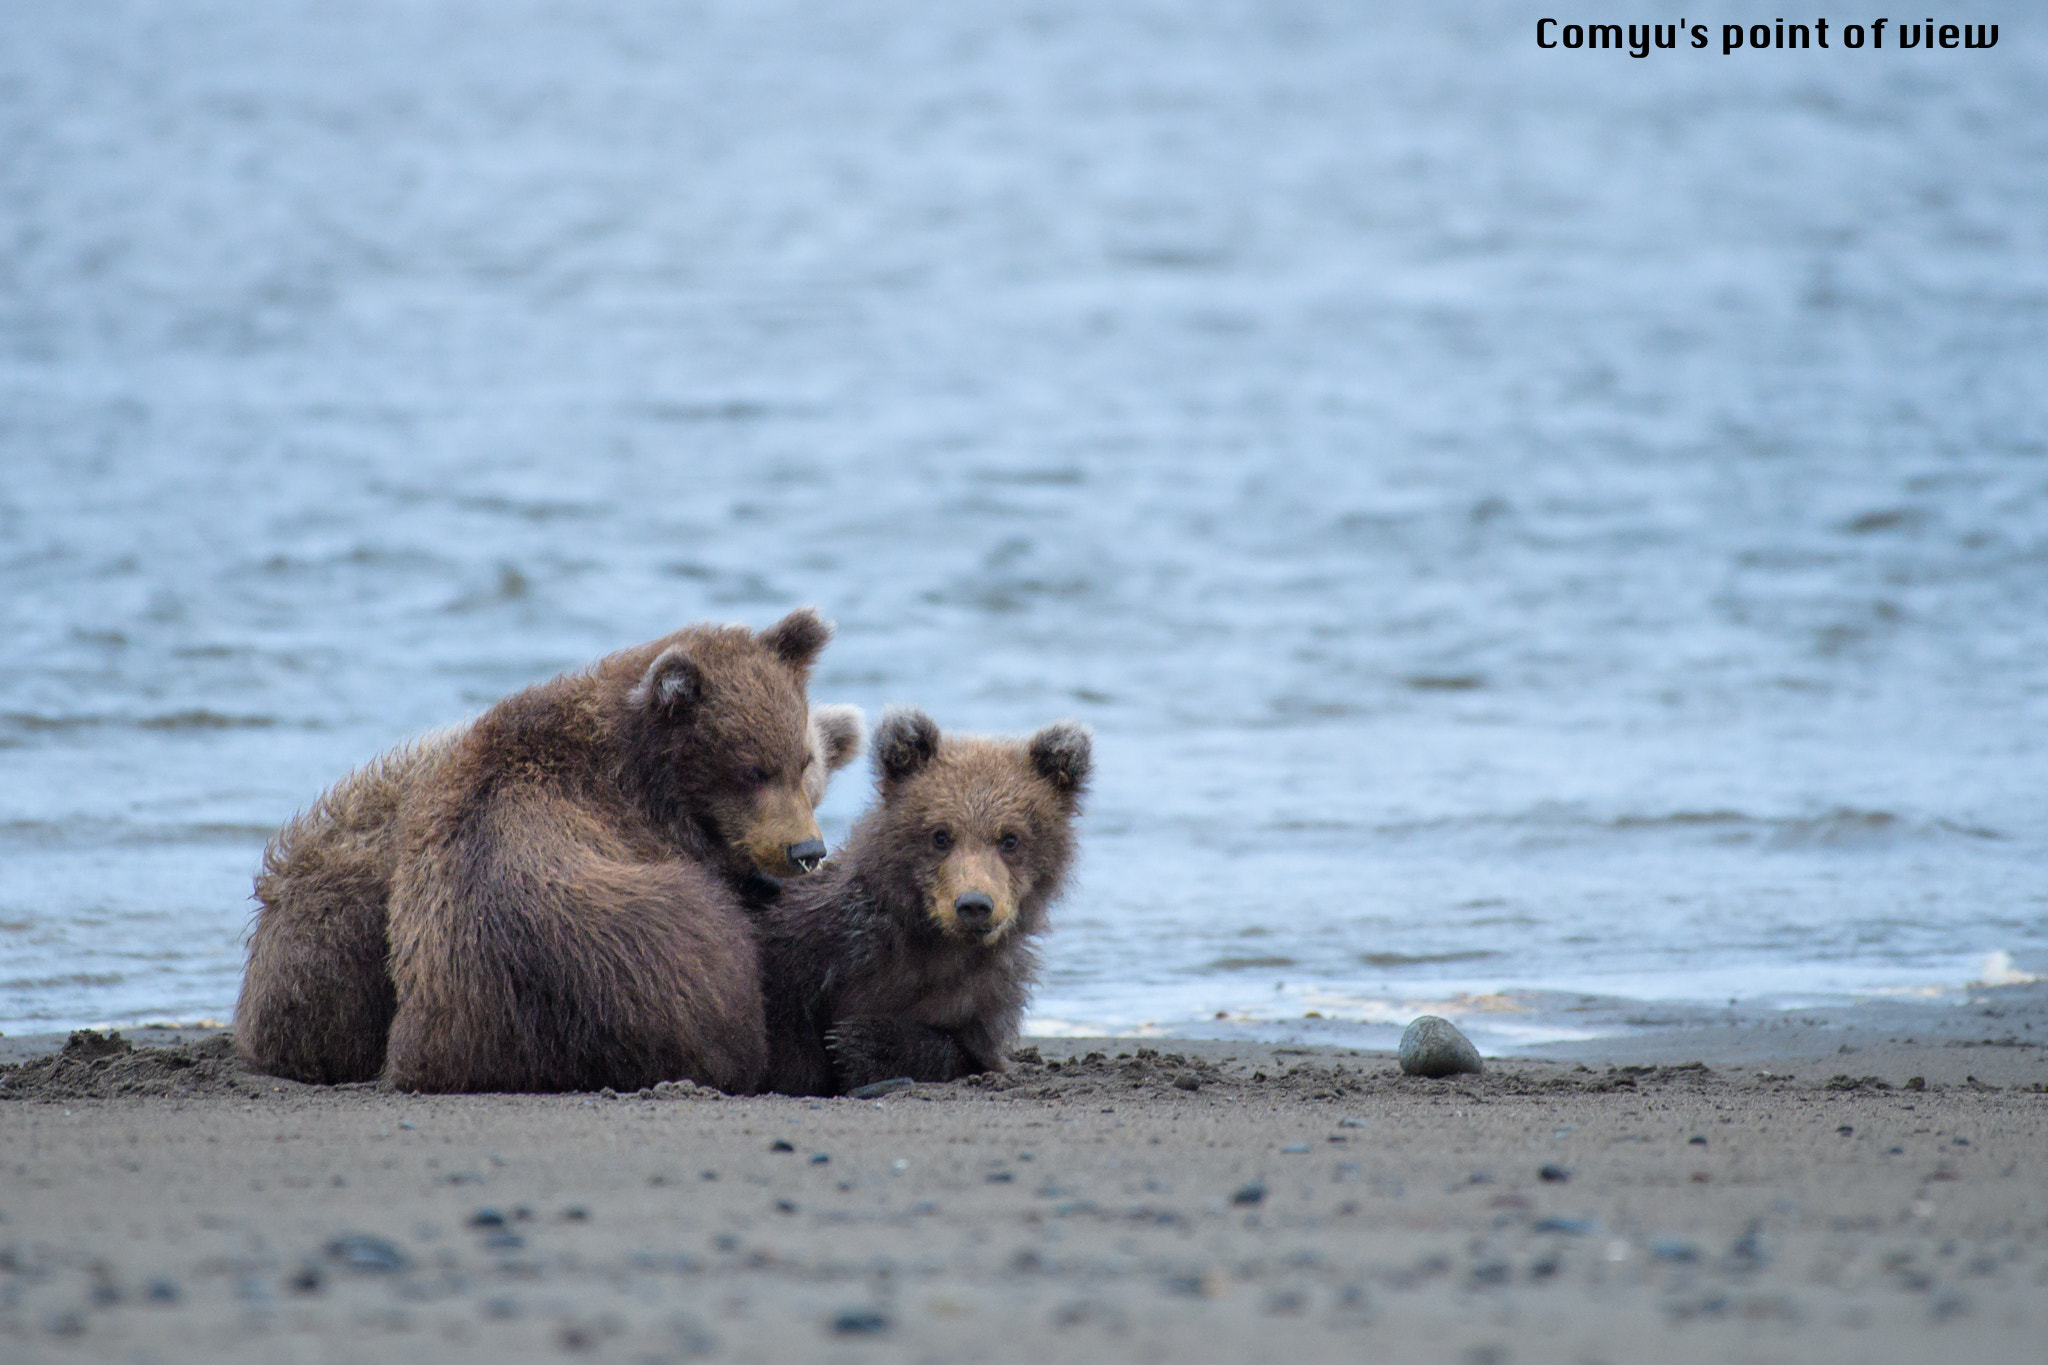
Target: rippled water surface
(1522,524)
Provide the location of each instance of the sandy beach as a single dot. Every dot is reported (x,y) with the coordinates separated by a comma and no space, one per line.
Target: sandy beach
(1817,1186)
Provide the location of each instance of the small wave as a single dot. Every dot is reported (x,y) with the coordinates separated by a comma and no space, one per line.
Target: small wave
(1885,519)
(47,834)
(1057,476)
(1444,682)
(726,410)
(530,509)
(1002,595)
(1682,819)
(176,720)
(1240,964)
(1843,827)
(1425,959)
(38,983)
(1840,828)
(206,720)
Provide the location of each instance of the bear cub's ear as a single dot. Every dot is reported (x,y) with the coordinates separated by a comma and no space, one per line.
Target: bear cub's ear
(797,637)
(1061,753)
(672,684)
(905,744)
(840,730)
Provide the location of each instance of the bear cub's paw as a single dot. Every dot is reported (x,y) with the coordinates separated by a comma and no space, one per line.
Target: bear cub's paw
(866,1048)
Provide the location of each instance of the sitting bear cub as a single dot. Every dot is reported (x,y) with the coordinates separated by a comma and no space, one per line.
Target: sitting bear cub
(910,953)
(317,997)
(566,897)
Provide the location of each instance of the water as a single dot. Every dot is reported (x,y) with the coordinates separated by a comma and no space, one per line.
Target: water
(1535,533)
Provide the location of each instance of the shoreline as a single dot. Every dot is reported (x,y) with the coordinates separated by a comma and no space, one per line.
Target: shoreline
(1998,1033)
(1731,1193)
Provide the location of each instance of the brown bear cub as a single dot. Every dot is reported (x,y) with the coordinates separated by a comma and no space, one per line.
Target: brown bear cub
(563,880)
(910,953)
(317,997)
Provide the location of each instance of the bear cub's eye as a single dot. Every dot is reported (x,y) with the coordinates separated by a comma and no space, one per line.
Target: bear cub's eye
(759,775)
(1008,843)
(942,839)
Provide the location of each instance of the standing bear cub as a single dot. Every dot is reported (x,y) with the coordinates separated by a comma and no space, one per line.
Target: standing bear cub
(910,953)
(566,896)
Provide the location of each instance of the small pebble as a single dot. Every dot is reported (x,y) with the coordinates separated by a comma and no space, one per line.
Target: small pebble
(1489,1274)
(1249,1194)
(1747,1253)
(1432,1046)
(1552,1175)
(1295,1149)
(1696,1140)
(1287,1302)
(860,1322)
(820,1158)
(779,1145)
(487,1218)
(367,1255)
(1187,1080)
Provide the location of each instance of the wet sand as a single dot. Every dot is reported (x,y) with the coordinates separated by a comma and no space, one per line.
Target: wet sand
(1778,1190)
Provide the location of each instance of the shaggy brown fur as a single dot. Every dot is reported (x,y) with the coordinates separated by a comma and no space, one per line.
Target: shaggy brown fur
(317,996)
(563,913)
(910,953)
(671,773)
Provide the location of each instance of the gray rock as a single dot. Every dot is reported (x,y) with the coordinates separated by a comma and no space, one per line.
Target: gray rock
(1433,1047)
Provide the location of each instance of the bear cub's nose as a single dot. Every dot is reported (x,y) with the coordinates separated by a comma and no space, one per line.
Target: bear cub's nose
(808,854)
(974,907)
